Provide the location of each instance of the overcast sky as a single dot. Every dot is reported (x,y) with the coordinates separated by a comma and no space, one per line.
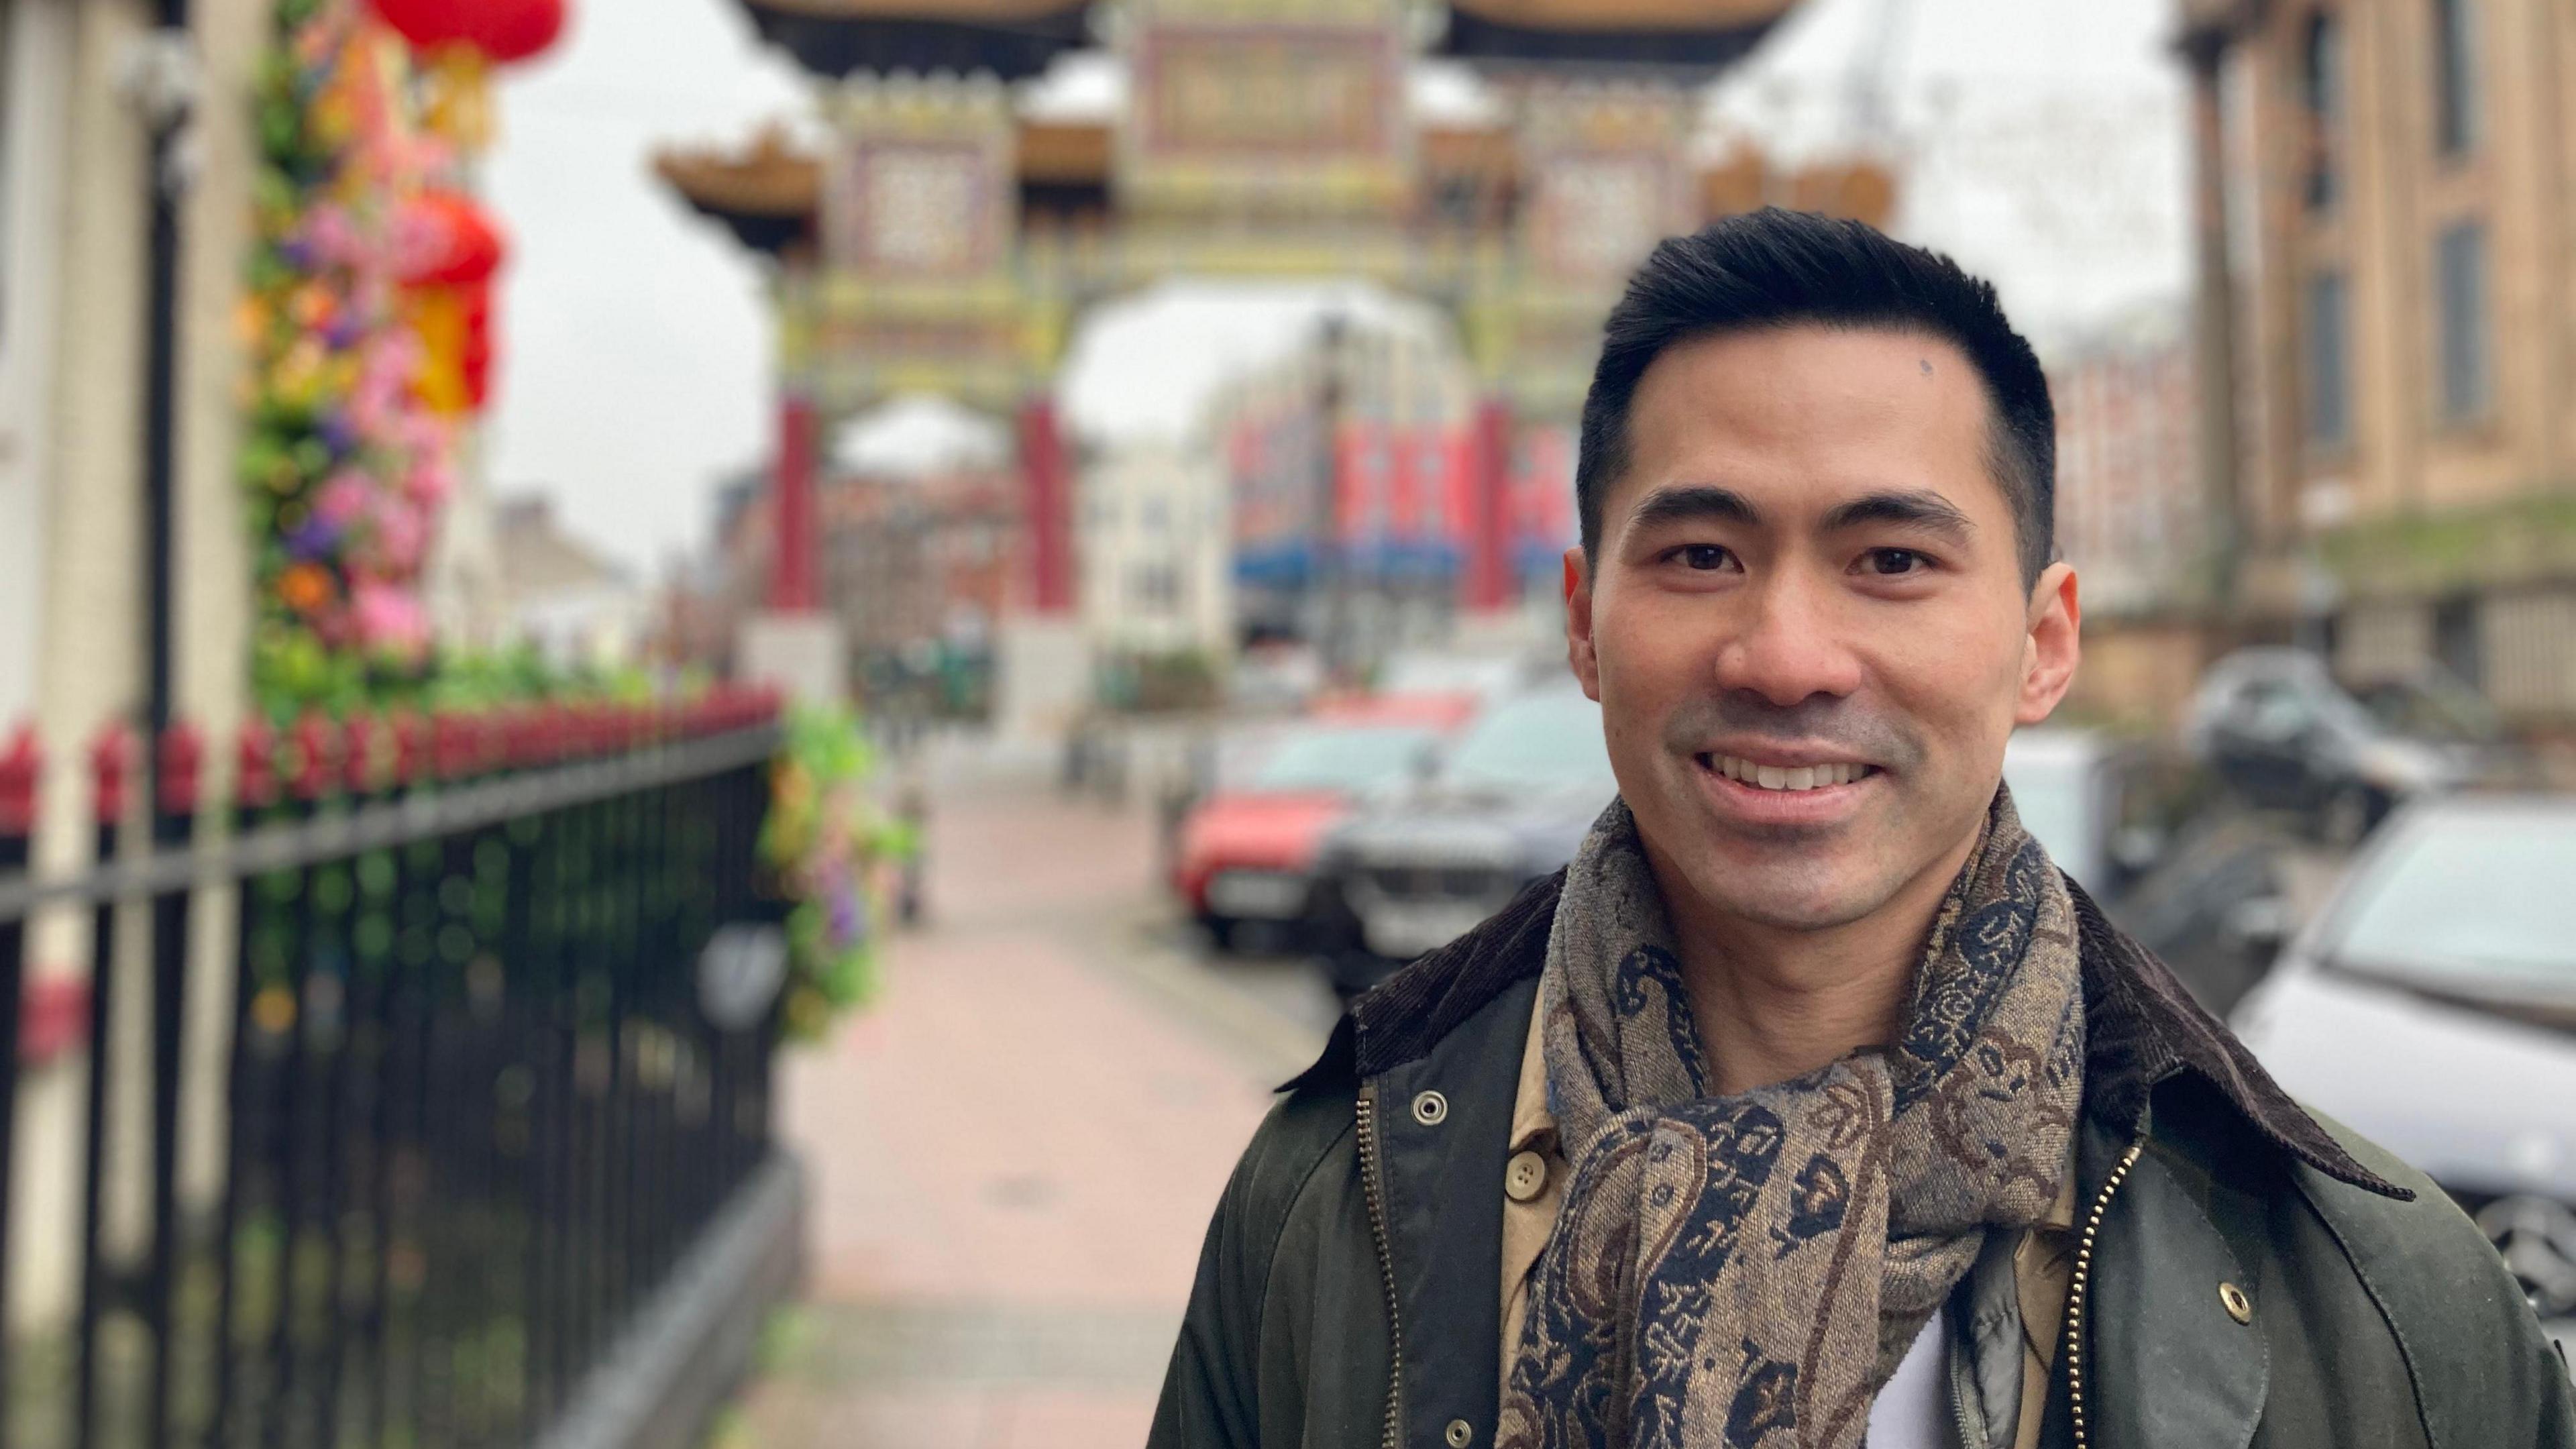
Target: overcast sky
(635,368)
(2043,137)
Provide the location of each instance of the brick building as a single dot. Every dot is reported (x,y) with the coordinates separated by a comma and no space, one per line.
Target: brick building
(920,537)
(2129,506)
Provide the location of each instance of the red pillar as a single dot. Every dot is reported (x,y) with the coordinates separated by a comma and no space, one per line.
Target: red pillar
(1486,580)
(792,574)
(1049,499)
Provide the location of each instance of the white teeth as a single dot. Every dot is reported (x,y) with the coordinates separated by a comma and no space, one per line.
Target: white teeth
(1781,777)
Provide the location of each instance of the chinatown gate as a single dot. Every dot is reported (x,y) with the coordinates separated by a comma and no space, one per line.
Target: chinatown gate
(943,243)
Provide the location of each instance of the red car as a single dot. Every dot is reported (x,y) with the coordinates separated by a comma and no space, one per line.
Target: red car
(1247,850)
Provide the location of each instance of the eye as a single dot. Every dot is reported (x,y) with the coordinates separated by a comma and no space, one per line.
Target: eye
(1895,562)
(1704,557)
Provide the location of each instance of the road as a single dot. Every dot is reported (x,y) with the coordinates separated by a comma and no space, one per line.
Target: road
(1015,1147)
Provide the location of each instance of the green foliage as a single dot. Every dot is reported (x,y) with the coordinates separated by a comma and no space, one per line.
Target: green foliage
(831,845)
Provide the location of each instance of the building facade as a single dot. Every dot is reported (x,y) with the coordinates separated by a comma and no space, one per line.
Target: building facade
(1347,476)
(2388,196)
(560,595)
(1154,543)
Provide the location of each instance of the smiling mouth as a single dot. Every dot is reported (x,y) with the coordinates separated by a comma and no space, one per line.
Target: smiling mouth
(1785,778)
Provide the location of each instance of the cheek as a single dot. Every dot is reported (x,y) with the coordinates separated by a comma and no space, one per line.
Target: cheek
(1958,671)
(1648,652)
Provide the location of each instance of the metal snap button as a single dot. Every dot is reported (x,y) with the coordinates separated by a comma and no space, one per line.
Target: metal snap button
(1430,1109)
(1525,1177)
(2239,1307)
(1458,1434)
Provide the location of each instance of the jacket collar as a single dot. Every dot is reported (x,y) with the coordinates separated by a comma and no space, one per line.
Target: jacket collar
(2142,1029)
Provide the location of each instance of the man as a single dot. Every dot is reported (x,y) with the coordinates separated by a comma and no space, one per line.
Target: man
(1810,1105)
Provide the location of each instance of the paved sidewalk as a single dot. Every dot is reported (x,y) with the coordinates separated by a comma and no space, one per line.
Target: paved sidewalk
(1015,1150)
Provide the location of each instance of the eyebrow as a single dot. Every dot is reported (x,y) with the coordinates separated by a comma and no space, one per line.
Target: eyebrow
(1705,502)
(1918,508)
(1697,503)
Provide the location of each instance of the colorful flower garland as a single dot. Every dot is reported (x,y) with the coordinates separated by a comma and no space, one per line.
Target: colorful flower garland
(833,847)
(351,436)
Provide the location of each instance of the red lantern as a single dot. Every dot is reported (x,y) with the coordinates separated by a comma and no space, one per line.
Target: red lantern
(448,240)
(515,30)
(429,24)
(503,30)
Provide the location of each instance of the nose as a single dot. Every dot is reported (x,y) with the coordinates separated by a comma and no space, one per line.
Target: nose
(1789,645)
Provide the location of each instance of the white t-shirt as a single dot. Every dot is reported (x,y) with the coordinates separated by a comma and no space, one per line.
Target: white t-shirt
(1913,1411)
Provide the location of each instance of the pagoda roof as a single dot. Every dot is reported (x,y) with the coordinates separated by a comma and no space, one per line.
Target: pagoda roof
(766,196)
(1674,34)
(1014,39)
(1063,153)
(769,193)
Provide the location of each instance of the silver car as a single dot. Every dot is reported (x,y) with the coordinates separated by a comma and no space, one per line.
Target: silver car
(2431,1005)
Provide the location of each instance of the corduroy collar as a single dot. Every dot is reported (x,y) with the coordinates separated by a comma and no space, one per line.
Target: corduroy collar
(2141,1027)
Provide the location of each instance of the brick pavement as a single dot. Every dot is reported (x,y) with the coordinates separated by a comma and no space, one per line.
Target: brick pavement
(1014,1150)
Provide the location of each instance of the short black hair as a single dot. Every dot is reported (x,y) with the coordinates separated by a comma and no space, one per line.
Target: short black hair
(1776,269)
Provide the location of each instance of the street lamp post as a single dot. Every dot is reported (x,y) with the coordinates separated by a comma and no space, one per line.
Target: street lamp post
(1331,578)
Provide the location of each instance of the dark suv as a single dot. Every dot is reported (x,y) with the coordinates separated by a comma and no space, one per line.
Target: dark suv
(2277,730)
(1508,804)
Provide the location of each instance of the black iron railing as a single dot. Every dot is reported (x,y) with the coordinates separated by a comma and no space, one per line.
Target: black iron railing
(404,1084)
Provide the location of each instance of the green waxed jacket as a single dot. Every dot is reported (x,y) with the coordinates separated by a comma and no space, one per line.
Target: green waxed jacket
(1348,1291)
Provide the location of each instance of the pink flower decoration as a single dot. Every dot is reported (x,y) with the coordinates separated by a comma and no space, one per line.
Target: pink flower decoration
(334,235)
(401,536)
(430,481)
(389,618)
(344,497)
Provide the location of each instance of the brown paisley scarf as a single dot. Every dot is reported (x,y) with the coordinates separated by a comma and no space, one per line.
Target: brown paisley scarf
(1747,1271)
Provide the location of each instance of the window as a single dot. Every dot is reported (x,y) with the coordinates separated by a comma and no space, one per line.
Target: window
(2321,87)
(2460,285)
(2455,77)
(2328,358)
(1154,588)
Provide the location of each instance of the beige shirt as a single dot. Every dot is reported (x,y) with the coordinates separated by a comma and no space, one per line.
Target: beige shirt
(1534,1188)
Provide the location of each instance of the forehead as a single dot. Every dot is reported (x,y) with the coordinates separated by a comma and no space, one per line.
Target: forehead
(1811,415)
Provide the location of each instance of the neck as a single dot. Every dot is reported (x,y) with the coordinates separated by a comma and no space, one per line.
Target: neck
(1773,1003)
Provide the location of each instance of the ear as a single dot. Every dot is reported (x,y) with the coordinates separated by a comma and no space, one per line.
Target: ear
(2053,646)
(1578,622)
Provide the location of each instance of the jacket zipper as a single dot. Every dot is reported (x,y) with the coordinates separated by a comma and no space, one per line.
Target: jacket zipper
(1367,1128)
(1969,1436)
(2080,1285)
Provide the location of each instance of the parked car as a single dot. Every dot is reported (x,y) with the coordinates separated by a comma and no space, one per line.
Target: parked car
(2432,1006)
(1508,804)
(2279,731)
(1245,854)
(2103,806)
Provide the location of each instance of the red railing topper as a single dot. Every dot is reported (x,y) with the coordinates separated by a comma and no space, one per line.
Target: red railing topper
(255,765)
(111,764)
(20,770)
(452,745)
(364,766)
(411,746)
(182,771)
(317,757)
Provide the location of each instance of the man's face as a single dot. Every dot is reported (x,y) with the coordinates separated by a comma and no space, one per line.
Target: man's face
(1806,625)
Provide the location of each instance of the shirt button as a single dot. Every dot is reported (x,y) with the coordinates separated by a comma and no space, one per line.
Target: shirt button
(1458,1434)
(1526,1177)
